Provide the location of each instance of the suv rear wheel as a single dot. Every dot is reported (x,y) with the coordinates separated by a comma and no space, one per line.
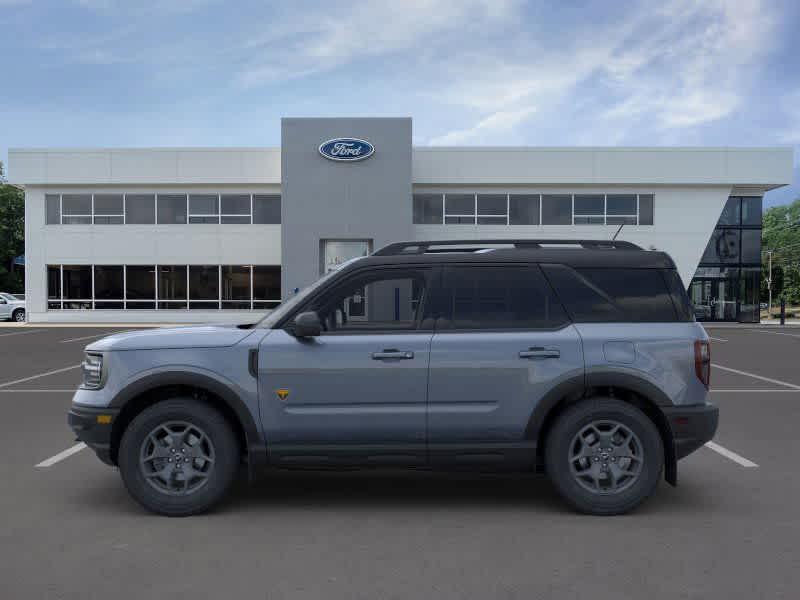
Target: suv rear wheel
(19,315)
(604,456)
(178,457)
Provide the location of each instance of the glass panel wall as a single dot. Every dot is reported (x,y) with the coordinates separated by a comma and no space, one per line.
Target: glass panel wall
(165,287)
(727,281)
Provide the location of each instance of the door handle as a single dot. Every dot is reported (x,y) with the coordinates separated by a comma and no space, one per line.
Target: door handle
(392,354)
(540,353)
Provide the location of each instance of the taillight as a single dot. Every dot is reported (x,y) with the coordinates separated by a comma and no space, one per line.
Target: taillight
(702,361)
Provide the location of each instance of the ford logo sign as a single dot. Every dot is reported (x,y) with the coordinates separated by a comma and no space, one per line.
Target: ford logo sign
(351,149)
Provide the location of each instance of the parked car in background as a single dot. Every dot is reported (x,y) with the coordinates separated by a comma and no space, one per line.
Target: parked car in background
(12,308)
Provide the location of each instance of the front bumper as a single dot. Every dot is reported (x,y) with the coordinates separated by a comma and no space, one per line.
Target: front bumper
(94,432)
(692,426)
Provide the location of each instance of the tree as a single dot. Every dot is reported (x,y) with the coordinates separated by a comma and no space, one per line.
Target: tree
(781,235)
(12,235)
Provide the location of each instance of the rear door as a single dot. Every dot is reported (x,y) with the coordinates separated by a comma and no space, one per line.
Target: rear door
(502,342)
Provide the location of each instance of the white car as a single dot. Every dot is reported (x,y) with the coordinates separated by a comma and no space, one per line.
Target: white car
(12,308)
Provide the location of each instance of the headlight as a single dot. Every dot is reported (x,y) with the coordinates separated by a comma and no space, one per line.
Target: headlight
(93,371)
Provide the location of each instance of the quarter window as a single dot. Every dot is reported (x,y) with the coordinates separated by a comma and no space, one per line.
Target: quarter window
(613,295)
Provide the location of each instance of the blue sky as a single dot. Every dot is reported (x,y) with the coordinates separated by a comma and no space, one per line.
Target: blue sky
(470,72)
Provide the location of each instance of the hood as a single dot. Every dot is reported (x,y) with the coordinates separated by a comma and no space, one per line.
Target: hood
(202,336)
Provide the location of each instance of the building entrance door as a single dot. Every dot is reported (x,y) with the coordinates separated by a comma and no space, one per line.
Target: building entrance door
(335,253)
(714,299)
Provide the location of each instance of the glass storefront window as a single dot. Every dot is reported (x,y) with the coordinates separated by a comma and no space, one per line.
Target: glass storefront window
(726,285)
(730,214)
(751,211)
(749,294)
(713,293)
(723,247)
(751,246)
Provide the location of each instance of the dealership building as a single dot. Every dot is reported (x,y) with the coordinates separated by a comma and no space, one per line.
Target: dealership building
(224,234)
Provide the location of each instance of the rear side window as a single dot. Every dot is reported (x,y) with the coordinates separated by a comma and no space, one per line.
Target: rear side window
(498,297)
(680,299)
(604,295)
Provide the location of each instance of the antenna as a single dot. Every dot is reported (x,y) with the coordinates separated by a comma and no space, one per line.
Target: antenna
(618,230)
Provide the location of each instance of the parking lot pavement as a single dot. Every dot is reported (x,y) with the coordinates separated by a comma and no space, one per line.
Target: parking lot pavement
(727,531)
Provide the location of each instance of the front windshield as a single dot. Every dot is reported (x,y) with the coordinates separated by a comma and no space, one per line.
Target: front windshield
(276,315)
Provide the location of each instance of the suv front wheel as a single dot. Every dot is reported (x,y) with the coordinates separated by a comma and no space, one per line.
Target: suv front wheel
(604,456)
(178,457)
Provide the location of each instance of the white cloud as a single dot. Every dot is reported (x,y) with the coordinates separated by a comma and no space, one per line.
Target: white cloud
(302,44)
(677,66)
(496,122)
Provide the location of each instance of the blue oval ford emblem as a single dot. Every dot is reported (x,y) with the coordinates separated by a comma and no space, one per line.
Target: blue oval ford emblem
(346,149)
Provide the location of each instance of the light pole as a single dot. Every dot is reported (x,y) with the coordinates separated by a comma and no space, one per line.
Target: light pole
(769,285)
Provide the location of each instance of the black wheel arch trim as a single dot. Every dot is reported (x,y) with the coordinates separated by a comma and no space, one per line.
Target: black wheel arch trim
(256,445)
(579,385)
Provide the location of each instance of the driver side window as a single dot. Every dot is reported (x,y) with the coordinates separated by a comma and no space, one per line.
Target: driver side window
(383,301)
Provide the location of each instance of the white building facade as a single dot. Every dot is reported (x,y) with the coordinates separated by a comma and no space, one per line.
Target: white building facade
(223,234)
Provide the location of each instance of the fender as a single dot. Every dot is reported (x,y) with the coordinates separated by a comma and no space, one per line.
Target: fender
(256,446)
(599,377)
(575,386)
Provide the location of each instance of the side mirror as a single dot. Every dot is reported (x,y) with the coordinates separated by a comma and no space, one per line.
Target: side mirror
(307,324)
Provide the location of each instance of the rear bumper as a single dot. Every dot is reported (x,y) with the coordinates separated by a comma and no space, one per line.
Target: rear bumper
(692,426)
(84,423)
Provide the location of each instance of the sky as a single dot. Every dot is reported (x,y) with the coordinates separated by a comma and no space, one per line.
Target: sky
(106,73)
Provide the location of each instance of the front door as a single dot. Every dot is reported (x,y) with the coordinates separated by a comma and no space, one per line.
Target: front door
(358,392)
(714,299)
(502,342)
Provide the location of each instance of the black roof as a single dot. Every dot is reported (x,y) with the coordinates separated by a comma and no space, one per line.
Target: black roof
(575,253)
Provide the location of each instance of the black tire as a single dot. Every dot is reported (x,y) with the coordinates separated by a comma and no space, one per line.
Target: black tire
(222,472)
(561,444)
(18,315)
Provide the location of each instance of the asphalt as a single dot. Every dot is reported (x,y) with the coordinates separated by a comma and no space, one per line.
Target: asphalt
(727,531)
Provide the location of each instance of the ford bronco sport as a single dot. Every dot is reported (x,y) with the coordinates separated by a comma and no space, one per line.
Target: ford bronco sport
(581,359)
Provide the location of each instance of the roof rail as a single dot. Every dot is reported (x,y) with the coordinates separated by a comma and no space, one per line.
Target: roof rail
(420,247)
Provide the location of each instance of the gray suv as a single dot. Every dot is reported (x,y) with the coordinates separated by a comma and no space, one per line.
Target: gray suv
(581,359)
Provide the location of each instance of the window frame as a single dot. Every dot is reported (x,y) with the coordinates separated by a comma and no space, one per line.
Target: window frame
(136,304)
(534,267)
(431,275)
(604,218)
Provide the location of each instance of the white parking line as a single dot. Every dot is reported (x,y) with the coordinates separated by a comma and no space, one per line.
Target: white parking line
(66,391)
(716,339)
(754,376)
(794,335)
(88,337)
(24,379)
(723,391)
(741,460)
(22,332)
(49,462)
